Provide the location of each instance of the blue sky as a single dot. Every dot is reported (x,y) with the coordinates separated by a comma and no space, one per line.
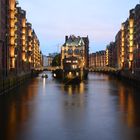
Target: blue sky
(99,19)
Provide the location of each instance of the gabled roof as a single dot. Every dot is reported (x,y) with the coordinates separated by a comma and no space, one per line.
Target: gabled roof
(74,41)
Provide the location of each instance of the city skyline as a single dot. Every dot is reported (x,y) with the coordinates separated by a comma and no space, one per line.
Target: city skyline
(60,18)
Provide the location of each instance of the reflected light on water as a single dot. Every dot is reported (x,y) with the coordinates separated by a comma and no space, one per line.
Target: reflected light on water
(70,92)
(44,87)
(131,111)
(44,83)
(82,88)
(17,111)
(127,105)
(75,97)
(73,89)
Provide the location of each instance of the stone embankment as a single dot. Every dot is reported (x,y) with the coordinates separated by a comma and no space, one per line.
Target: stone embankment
(12,82)
(132,77)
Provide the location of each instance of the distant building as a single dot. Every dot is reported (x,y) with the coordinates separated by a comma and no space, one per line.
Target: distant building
(45,61)
(49,60)
(101,59)
(97,59)
(50,57)
(111,55)
(92,60)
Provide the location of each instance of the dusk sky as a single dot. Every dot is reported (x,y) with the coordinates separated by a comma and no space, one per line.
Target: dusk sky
(99,19)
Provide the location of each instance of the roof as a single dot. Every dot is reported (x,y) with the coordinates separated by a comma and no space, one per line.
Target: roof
(74,41)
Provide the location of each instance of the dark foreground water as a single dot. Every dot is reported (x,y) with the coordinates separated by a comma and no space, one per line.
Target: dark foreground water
(101,108)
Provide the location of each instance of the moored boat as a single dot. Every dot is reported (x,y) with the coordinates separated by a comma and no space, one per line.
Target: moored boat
(44,76)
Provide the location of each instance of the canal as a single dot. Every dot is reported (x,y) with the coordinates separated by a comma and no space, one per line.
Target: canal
(100,108)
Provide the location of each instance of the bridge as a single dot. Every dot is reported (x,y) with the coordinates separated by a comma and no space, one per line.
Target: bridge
(104,69)
(91,69)
(50,68)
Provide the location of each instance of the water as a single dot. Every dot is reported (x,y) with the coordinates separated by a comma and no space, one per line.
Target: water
(101,108)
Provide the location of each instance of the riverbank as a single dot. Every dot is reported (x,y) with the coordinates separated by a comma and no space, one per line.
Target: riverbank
(132,78)
(12,82)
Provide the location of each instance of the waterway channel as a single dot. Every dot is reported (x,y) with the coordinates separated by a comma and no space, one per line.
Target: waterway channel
(99,108)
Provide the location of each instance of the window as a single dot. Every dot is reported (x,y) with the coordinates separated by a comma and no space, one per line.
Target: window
(70,51)
(77,51)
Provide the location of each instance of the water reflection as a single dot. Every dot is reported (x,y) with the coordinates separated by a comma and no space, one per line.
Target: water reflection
(129,104)
(100,108)
(16,112)
(44,87)
(76,95)
(74,89)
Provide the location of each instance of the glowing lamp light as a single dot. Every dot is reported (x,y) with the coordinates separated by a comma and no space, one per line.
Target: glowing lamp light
(77,74)
(54,75)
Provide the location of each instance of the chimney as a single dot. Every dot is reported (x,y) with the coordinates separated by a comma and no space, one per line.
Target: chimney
(66,38)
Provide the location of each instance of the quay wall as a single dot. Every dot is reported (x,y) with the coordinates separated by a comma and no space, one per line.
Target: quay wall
(12,82)
(130,77)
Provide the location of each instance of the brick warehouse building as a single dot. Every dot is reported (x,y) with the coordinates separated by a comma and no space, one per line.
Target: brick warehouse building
(3,38)
(76,47)
(19,45)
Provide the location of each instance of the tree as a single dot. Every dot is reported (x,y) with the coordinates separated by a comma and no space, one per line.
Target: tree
(57,60)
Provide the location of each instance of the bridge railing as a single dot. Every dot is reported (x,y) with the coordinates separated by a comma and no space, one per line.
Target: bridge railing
(104,69)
